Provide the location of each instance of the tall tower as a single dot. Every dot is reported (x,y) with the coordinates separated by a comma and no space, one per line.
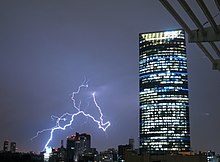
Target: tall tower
(13,147)
(6,146)
(163,97)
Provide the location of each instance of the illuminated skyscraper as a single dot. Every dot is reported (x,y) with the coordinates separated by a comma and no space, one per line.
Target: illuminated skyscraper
(164,103)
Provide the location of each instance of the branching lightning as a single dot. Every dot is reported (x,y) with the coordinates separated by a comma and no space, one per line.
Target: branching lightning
(63,117)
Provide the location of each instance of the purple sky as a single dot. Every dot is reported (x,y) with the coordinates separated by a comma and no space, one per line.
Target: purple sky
(48,47)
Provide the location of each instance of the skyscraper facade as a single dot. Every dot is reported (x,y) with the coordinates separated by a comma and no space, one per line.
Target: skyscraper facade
(77,145)
(163,97)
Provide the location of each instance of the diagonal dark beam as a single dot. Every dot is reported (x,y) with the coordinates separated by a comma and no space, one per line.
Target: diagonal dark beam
(191,14)
(210,36)
(215,48)
(208,15)
(217,2)
(172,11)
(206,52)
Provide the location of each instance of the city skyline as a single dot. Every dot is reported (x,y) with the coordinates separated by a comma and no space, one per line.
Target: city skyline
(47,48)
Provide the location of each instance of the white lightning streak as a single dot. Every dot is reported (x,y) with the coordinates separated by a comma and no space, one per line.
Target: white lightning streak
(100,123)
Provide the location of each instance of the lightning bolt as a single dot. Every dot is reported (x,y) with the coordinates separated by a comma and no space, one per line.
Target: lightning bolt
(101,124)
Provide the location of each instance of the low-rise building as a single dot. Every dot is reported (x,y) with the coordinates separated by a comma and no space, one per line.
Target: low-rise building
(131,156)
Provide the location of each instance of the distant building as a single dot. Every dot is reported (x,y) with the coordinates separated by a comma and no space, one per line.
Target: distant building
(122,149)
(212,157)
(85,143)
(131,143)
(77,145)
(131,156)
(108,156)
(164,102)
(90,155)
(13,147)
(6,146)
(58,154)
(20,157)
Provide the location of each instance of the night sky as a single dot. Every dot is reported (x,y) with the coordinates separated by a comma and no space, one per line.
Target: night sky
(48,47)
